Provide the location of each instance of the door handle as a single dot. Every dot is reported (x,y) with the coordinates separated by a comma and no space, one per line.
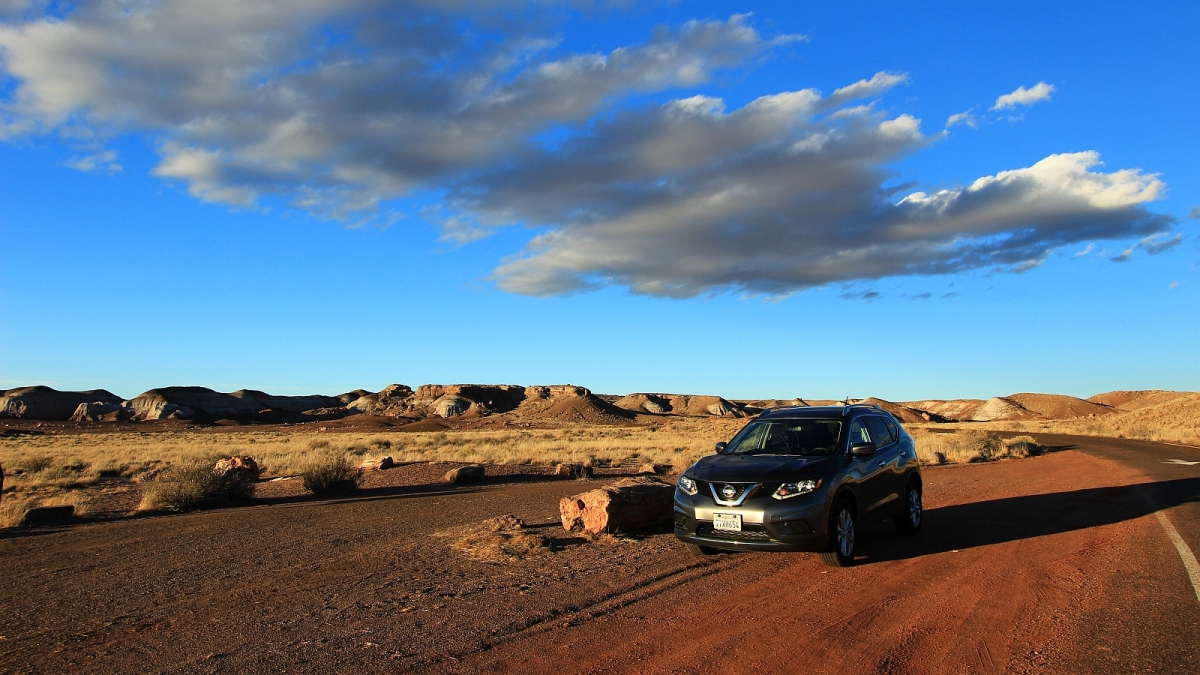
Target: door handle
(881,462)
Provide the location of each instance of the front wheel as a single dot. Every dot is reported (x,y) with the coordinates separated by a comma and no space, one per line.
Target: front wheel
(842,537)
(909,520)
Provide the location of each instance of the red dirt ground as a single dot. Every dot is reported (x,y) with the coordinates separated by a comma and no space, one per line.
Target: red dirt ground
(1019,561)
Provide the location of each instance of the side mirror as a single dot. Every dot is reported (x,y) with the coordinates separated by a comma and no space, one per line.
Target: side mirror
(721,447)
(862,449)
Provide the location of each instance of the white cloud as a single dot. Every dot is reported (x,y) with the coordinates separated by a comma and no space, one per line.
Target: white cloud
(962,118)
(339,106)
(1085,251)
(771,199)
(1022,96)
(1194,214)
(333,105)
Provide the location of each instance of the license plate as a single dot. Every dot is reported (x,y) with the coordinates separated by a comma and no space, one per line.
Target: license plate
(729,522)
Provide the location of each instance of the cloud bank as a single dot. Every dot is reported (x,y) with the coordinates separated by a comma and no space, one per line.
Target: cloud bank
(345,108)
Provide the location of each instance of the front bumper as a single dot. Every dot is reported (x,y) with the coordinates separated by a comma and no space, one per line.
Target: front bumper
(798,524)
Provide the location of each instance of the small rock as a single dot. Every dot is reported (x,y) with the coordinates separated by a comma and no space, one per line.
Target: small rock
(564,471)
(471,473)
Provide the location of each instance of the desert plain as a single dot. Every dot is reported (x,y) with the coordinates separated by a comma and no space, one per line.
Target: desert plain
(1054,538)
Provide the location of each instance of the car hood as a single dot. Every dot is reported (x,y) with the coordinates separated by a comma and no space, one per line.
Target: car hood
(753,468)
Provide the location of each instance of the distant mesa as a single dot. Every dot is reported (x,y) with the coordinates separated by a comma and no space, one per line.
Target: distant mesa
(45,403)
(434,406)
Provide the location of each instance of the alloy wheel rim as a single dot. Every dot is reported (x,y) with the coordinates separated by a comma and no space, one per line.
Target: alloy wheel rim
(914,507)
(845,533)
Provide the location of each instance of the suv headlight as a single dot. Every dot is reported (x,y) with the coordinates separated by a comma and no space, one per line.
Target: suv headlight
(800,487)
(687,485)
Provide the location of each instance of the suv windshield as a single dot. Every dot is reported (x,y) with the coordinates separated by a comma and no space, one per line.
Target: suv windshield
(786,437)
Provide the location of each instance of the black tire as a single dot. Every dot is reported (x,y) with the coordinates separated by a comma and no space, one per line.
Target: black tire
(912,514)
(843,536)
(697,549)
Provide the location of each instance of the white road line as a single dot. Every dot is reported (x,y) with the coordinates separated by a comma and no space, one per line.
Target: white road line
(1185,553)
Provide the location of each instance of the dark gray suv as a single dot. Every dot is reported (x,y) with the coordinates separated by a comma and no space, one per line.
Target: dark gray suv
(802,479)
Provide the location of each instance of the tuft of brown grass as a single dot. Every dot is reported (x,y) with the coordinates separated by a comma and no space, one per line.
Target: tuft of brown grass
(12,511)
(496,540)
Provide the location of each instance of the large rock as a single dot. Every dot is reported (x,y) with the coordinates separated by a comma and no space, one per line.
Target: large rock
(471,473)
(628,504)
(240,468)
(238,475)
(48,515)
(44,403)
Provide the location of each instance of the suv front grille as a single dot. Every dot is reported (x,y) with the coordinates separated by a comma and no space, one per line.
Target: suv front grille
(750,532)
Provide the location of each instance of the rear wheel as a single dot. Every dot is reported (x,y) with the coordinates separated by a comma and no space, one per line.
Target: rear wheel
(909,520)
(697,549)
(842,536)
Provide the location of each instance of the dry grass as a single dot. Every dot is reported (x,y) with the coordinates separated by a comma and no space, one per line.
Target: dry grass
(963,447)
(496,540)
(281,452)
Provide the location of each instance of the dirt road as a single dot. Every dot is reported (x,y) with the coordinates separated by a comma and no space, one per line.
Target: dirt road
(1053,564)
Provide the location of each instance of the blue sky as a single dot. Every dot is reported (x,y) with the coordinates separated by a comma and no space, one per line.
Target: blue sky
(672,197)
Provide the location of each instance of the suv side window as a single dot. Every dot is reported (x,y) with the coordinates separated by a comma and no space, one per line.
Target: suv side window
(891,425)
(879,431)
(859,432)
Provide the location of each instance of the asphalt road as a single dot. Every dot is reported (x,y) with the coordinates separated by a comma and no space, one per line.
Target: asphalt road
(1053,564)
(1150,624)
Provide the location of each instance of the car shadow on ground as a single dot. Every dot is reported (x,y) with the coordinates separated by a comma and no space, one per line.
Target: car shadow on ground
(996,521)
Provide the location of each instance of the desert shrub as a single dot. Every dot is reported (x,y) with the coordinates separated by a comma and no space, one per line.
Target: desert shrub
(191,484)
(381,443)
(331,474)
(357,449)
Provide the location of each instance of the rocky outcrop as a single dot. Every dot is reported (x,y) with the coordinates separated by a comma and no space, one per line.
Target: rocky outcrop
(99,411)
(292,404)
(998,408)
(202,403)
(45,403)
(450,406)
(626,505)
(680,404)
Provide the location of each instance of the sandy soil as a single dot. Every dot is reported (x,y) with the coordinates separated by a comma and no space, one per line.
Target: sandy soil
(1019,561)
